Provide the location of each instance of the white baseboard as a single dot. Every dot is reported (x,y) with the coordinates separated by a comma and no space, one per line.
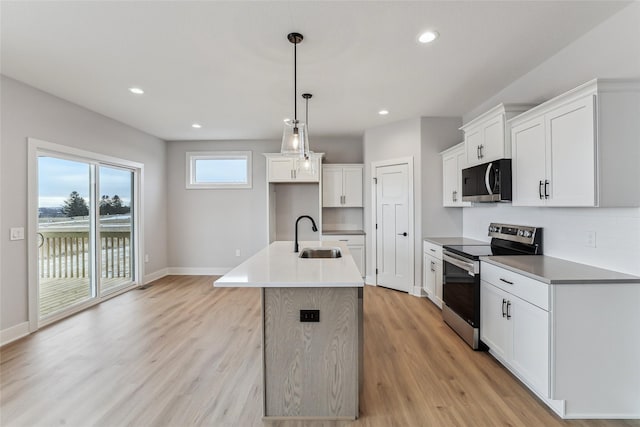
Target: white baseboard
(370,280)
(194,271)
(148,278)
(14,333)
(417,291)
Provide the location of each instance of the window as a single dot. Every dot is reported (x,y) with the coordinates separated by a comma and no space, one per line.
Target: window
(218,169)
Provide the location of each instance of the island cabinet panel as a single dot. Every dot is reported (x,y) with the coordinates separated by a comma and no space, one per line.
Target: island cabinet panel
(311,368)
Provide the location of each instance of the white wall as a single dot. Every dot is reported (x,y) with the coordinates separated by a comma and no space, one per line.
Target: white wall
(422,139)
(28,112)
(438,134)
(207,226)
(610,50)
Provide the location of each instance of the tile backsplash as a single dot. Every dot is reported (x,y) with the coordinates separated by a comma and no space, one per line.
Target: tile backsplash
(603,237)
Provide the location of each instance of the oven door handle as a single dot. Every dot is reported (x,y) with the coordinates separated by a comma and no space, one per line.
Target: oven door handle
(469,267)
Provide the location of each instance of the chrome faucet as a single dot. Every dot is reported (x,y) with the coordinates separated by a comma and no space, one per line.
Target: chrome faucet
(313,227)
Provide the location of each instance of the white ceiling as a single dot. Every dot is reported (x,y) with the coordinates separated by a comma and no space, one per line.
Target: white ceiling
(229,66)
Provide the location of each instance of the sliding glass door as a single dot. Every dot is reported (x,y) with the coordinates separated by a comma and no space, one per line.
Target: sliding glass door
(85,232)
(115,228)
(65,236)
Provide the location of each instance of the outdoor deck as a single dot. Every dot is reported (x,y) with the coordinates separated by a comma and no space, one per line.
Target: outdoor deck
(56,293)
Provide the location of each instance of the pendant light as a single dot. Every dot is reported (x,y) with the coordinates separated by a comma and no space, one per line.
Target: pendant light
(306,164)
(294,137)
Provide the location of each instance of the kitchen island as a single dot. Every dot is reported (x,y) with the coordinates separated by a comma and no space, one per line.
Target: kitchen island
(311,329)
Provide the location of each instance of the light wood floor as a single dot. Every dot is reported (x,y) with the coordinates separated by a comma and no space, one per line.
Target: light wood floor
(182,353)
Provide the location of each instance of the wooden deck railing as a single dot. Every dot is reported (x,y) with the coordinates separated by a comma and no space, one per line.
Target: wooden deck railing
(65,254)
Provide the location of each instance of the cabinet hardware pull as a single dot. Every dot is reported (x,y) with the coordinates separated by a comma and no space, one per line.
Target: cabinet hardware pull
(453,196)
(508,309)
(506,281)
(540,189)
(478,151)
(504,301)
(432,250)
(403,234)
(481,147)
(546,188)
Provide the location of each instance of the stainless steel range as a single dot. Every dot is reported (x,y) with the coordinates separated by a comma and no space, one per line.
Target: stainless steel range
(461,275)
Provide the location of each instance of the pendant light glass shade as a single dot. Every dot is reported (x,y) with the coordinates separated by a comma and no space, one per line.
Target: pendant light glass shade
(295,140)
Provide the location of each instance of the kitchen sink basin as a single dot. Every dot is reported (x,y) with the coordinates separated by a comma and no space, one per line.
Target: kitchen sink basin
(320,253)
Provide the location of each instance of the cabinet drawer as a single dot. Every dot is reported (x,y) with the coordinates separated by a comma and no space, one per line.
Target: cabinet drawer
(432,249)
(349,239)
(525,288)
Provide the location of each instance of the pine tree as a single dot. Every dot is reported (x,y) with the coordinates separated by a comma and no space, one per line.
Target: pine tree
(75,205)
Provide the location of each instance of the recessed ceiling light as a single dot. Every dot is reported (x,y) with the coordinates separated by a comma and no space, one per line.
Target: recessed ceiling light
(136,90)
(196,125)
(383,112)
(428,36)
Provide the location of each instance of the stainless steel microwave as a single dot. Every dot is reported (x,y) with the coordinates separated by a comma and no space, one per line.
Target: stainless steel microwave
(488,182)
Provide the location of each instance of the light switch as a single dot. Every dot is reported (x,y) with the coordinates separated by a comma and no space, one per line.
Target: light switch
(17,233)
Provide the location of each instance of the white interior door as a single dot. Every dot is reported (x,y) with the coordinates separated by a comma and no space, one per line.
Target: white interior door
(392,234)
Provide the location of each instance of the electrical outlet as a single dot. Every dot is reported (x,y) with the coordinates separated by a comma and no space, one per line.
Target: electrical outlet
(17,233)
(146,257)
(237,252)
(309,315)
(590,239)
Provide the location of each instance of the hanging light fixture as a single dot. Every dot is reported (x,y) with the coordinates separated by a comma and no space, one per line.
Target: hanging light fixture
(294,137)
(306,164)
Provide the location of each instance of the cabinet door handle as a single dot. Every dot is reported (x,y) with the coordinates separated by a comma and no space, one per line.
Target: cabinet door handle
(508,309)
(506,281)
(540,189)
(481,154)
(504,302)
(433,266)
(546,188)
(478,151)
(432,250)
(454,196)
(343,240)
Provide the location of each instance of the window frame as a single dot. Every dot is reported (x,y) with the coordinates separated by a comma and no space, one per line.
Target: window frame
(193,156)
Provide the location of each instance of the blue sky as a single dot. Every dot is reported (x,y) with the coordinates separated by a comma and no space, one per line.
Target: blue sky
(57,178)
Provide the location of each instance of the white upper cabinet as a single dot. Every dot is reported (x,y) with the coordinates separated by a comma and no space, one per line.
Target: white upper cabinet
(486,137)
(342,185)
(580,148)
(290,169)
(453,161)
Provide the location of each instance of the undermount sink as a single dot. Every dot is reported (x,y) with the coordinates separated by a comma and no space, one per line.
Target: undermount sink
(320,253)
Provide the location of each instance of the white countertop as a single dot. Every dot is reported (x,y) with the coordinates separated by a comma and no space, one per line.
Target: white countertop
(277,266)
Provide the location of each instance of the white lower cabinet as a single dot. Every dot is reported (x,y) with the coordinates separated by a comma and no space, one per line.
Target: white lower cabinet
(432,272)
(517,332)
(571,343)
(355,243)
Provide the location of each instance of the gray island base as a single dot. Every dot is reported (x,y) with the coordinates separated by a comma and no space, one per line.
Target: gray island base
(312,363)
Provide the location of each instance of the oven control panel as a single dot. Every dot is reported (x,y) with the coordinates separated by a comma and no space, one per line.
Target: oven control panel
(517,233)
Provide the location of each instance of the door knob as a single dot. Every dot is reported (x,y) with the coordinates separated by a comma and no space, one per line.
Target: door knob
(403,234)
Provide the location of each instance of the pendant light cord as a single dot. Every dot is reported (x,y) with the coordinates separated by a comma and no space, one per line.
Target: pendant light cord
(295,84)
